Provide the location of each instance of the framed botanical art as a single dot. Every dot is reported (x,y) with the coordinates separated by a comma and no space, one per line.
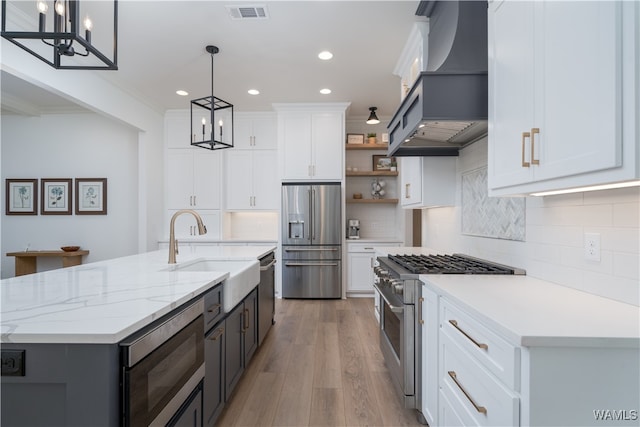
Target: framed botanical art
(55,196)
(22,197)
(91,196)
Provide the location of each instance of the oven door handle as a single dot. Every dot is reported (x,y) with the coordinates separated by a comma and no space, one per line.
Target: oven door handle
(394,308)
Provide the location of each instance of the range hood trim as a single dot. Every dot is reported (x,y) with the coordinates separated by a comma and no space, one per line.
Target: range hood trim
(467,97)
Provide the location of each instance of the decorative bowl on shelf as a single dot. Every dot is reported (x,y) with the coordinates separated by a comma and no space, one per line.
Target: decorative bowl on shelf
(70,248)
(357,195)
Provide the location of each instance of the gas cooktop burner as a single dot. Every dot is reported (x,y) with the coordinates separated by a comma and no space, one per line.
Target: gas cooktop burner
(449,264)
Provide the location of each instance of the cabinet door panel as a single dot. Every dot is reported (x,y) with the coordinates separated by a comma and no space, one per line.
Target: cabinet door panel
(579,111)
(207,176)
(295,132)
(250,326)
(213,386)
(265,133)
(239,183)
(328,146)
(234,363)
(511,61)
(243,132)
(179,179)
(265,179)
(360,272)
(410,181)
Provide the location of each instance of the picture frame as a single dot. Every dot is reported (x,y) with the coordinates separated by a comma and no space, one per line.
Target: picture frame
(355,138)
(55,196)
(21,197)
(382,162)
(91,196)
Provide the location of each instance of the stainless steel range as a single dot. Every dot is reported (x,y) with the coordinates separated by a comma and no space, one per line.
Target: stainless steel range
(396,280)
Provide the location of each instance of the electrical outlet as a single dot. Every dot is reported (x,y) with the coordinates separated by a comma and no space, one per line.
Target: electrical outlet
(592,246)
(13,363)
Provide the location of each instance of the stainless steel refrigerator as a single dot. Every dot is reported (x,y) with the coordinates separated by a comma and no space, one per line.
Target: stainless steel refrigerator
(311,240)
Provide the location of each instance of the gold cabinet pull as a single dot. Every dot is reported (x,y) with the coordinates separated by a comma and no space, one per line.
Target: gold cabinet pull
(420,319)
(406,191)
(525,135)
(534,131)
(478,344)
(480,409)
(245,320)
(218,334)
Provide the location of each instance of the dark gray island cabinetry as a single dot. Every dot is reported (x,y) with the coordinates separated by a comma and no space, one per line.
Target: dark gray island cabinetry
(62,385)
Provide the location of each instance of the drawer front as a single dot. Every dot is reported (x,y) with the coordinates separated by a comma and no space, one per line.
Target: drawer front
(493,352)
(213,307)
(367,247)
(472,392)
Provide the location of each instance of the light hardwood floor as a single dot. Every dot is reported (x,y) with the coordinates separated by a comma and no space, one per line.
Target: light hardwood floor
(320,365)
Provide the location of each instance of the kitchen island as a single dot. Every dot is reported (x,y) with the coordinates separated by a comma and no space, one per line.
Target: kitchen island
(80,315)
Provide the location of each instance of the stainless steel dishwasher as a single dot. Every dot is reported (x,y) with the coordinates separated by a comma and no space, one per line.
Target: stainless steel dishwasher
(266,296)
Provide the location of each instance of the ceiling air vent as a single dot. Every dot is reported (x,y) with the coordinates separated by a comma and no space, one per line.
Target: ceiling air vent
(248,12)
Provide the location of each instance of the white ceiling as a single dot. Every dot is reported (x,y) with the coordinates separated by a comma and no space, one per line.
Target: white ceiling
(161,48)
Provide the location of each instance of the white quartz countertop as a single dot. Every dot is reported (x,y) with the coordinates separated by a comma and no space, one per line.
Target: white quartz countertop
(531,312)
(104,302)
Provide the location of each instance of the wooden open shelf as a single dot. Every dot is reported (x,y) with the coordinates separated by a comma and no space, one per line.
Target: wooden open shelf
(372,173)
(374,201)
(367,146)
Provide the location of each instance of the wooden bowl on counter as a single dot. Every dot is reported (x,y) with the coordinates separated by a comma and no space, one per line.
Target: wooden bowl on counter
(70,248)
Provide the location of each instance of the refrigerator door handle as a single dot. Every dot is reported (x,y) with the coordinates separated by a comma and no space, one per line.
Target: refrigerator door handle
(313,207)
(311,232)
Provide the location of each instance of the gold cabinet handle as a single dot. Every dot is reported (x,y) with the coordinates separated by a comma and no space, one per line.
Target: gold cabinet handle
(534,131)
(245,319)
(406,190)
(525,135)
(420,319)
(480,409)
(218,334)
(478,344)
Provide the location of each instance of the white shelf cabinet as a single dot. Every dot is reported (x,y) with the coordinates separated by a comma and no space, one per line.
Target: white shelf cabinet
(252,180)
(255,131)
(563,104)
(427,182)
(311,140)
(193,178)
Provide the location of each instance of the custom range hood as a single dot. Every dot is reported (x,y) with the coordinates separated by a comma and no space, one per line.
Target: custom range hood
(446,108)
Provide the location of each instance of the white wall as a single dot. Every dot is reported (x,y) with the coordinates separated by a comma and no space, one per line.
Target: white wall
(84,145)
(555,227)
(91,90)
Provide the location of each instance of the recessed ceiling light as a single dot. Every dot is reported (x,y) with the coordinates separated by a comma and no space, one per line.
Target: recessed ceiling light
(325,91)
(253,92)
(325,55)
(182,92)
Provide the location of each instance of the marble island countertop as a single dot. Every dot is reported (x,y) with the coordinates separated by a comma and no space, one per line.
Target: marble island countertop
(104,302)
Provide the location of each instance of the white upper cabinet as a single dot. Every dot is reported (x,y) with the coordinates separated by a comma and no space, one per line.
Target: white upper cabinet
(193,179)
(255,131)
(252,180)
(563,87)
(311,140)
(427,181)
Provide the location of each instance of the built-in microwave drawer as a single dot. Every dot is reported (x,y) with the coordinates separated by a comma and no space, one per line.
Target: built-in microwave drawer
(493,352)
(473,394)
(213,306)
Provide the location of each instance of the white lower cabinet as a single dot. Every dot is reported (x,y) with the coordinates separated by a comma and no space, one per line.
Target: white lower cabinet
(484,380)
(429,325)
(360,263)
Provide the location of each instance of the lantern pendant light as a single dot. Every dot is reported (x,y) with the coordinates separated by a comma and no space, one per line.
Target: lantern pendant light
(213,116)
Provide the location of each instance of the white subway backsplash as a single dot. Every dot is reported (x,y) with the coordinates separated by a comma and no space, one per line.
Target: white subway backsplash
(553,249)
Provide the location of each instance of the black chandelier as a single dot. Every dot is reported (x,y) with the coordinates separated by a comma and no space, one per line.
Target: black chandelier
(214,116)
(26,26)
